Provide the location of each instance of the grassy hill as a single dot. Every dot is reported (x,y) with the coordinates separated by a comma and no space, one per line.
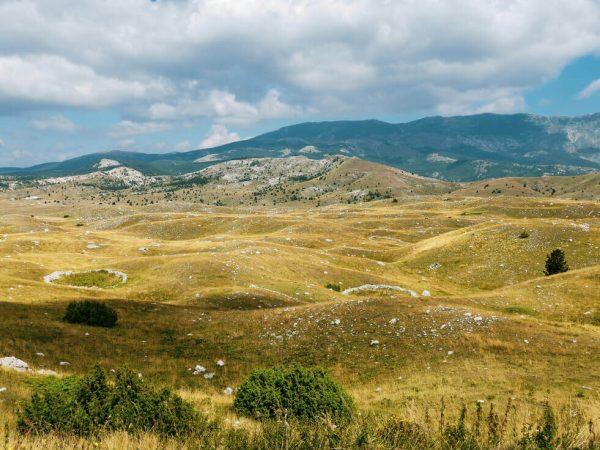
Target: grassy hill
(247,283)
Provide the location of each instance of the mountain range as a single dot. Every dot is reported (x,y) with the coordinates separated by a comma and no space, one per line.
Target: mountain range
(461,148)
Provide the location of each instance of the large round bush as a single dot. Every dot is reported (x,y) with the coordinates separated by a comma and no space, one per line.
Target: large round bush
(303,393)
(91,312)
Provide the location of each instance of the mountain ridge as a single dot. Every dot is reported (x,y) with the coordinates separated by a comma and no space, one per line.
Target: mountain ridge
(458,148)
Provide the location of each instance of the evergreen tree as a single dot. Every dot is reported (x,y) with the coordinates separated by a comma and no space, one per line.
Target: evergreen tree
(556,262)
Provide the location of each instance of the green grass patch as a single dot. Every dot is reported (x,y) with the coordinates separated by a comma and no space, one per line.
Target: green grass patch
(98,278)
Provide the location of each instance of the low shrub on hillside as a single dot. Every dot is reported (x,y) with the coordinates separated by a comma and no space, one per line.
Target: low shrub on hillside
(295,392)
(92,404)
(334,287)
(91,312)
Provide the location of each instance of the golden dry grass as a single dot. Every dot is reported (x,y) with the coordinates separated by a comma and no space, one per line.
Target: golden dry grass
(248,286)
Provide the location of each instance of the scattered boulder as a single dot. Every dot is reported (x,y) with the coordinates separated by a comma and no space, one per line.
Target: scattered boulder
(10,362)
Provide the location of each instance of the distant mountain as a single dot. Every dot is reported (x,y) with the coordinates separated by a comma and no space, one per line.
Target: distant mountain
(458,148)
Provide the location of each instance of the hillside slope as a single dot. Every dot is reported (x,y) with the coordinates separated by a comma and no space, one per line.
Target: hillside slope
(453,148)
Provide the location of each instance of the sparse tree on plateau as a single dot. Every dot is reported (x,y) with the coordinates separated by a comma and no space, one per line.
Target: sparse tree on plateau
(556,262)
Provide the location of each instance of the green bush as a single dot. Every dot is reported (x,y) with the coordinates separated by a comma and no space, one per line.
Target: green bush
(294,392)
(334,287)
(91,312)
(89,405)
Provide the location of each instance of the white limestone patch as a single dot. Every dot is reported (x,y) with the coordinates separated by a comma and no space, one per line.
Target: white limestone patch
(211,157)
(309,149)
(106,163)
(125,175)
(436,157)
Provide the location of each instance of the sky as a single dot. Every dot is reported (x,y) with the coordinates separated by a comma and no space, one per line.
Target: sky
(175,75)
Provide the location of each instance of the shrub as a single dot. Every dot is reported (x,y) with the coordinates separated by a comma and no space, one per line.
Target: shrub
(91,312)
(524,234)
(89,405)
(295,392)
(556,262)
(519,310)
(334,287)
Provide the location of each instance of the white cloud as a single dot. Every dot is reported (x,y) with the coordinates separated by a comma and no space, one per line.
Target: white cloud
(183,146)
(2,144)
(53,123)
(127,128)
(54,80)
(219,135)
(590,89)
(331,56)
(503,101)
(224,107)
(126,143)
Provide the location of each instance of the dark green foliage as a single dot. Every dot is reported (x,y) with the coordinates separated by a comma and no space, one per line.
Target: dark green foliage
(89,405)
(515,309)
(295,392)
(556,262)
(91,312)
(524,234)
(544,437)
(334,287)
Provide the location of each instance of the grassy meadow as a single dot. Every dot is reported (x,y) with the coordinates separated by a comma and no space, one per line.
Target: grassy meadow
(477,323)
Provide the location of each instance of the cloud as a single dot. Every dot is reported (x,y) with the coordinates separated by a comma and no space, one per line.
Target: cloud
(183,146)
(2,144)
(244,62)
(476,101)
(52,80)
(224,107)
(219,135)
(53,123)
(126,143)
(590,89)
(126,128)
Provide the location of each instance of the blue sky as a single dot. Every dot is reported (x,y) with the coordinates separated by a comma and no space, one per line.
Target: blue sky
(175,75)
